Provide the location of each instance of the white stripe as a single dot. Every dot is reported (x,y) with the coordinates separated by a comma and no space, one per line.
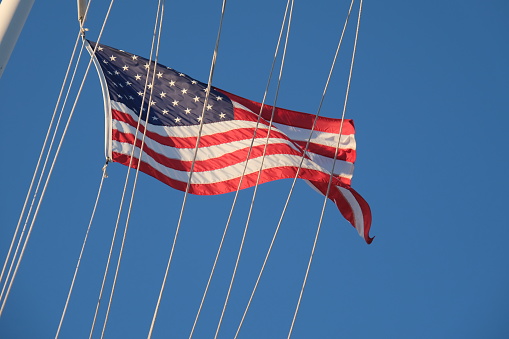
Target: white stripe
(356,208)
(226,173)
(321,138)
(106,101)
(302,134)
(342,168)
(204,153)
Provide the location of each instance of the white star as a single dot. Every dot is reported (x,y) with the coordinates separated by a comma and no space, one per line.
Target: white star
(125,67)
(175,102)
(140,93)
(182,74)
(194,82)
(219,98)
(104,61)
(222,115)
(152,103)
(112,58)
(187,110)
(117,72)
(196,99)
(165,111)
(99,48)
(209,107)
(177,119)
(131,97)
(137,77)
(206,89)
(159,75)
(199,118)
(154,118)
(162,94)
(184,90)
(128,83)
(147,65)
(150,85)
(134,57)
(171,82)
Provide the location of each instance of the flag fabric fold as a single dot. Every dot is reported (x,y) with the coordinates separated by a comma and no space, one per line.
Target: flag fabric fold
(229,129)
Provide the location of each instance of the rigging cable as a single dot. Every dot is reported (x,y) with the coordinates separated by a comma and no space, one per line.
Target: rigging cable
(159,20)
(82,20)
(188,185)
(243,173)
(103,176)
(332,172)
(10,279)
(53,164)
(296,175)
(106,270)
(239,253)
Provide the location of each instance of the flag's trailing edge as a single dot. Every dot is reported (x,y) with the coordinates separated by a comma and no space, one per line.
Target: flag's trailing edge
(230,124)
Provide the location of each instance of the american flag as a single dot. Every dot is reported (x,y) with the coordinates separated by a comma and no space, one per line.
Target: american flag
(174,104)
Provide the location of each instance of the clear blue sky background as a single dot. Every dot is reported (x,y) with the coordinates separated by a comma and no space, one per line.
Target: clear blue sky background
(430,101)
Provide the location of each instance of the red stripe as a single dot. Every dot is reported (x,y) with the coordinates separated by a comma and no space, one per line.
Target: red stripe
(221,161)
(344,206)
(294,118)
(366,213)
(225,186)
(327,151)
(205,140)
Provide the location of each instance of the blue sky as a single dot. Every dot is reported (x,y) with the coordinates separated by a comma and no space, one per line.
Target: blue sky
(429,98)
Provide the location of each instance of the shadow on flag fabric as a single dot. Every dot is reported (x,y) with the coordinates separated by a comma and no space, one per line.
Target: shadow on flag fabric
(170,108)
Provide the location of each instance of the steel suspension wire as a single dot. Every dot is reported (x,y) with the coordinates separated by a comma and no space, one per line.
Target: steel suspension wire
(157,31)
(43,148)
(296,176)
(332,171)
(243,174)
(55,157)
(103,176)
(64,311)
(191,171)
(16,260)
(126,182)
(239,253)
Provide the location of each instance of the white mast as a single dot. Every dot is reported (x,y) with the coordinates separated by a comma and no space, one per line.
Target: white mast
(13,14)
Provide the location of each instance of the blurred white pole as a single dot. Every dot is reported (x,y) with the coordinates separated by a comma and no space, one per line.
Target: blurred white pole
(13,14)
(82,8)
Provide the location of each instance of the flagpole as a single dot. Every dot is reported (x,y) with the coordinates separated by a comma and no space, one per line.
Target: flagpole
(13,14)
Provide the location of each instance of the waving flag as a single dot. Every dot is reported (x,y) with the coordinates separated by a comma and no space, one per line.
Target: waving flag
(229,128)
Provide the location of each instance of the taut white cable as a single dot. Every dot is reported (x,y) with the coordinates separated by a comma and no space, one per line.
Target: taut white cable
(332,171)
(158,22)
(243,173)
(296,176)
(64,311)
(16,261)
(36,171)
(259,172)
(106,270)
(53,163)
(209,84)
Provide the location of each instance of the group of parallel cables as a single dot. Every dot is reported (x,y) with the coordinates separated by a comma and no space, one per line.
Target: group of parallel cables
(57,131)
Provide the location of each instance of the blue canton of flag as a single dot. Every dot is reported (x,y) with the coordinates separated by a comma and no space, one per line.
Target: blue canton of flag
(177,99)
